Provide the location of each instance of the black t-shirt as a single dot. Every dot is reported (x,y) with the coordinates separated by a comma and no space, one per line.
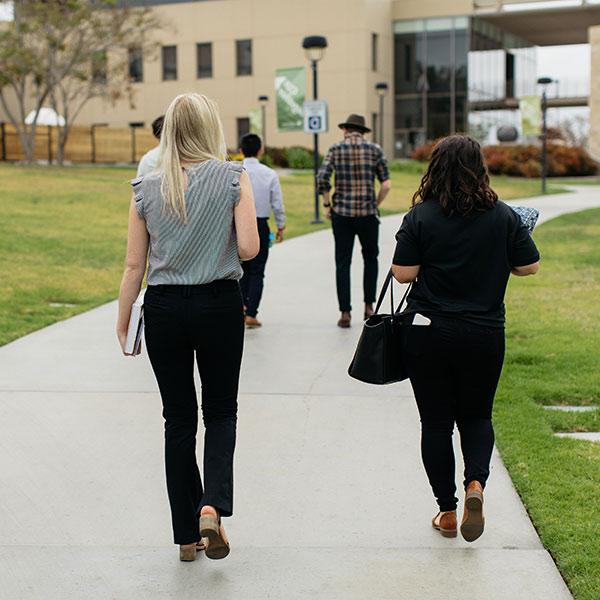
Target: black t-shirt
(465,261)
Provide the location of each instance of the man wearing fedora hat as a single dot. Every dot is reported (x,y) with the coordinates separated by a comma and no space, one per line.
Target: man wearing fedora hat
(354,208)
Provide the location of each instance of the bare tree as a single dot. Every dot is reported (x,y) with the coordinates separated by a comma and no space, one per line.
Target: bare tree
(67,52)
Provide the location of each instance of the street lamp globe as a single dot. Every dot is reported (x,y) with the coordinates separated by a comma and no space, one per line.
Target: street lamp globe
(314,47)
(381,88)
(545,80)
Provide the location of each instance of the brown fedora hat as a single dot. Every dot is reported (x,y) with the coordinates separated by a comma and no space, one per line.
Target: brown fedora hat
(355,121)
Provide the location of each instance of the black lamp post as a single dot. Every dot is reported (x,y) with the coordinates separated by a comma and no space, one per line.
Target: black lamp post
(381,88)
(314,48)
(544,82)
(263,100)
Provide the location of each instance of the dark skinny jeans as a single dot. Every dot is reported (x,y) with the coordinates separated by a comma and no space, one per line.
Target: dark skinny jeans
(454,368)
(252,282)
(345,229)
(207,322)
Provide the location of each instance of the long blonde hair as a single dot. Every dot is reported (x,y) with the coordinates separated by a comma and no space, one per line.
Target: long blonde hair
(192,132)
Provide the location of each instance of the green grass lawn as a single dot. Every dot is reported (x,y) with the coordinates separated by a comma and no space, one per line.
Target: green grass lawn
(62,235)
(553,348)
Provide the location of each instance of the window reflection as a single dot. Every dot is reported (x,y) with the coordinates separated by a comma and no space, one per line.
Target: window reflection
(446,69)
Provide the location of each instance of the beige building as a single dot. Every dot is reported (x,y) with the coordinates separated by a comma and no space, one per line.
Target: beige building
(450,66)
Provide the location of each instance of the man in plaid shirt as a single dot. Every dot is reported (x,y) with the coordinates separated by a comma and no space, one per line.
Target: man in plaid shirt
(354,210)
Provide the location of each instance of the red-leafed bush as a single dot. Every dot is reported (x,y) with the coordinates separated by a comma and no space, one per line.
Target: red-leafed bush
(525,160)
(423,152)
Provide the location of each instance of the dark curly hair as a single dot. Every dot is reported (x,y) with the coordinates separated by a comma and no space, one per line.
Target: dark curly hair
(457,177)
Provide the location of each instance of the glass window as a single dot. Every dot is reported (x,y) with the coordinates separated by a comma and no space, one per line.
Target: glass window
(204,60)
(409,113)
(374,51)
(243,127)
(439,60)
(243,54)
(136,64)
(409,59)
(438,116)
(99,67)
(169,63)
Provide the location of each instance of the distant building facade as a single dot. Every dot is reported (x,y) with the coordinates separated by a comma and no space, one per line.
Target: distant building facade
(459,65)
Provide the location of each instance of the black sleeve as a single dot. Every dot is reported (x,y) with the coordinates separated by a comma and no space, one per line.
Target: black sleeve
(408,253)
(524,251)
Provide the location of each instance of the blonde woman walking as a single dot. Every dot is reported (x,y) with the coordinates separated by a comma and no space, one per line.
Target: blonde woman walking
(191,222)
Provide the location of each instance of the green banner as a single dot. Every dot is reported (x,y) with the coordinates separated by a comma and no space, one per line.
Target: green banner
(531,115)
(255,116)
(290,86)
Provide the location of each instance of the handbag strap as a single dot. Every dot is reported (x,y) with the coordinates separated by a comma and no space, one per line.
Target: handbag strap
(386,285)
(399,309)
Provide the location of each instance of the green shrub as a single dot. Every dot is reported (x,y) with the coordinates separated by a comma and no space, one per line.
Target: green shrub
(299,158)
(277,156)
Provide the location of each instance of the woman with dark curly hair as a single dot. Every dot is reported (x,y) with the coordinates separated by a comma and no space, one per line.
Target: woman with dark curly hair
(458,244)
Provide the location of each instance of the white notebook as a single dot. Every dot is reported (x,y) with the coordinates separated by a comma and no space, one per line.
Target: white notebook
(135,331)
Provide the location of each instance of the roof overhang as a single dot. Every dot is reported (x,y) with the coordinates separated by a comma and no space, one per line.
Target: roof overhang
(547,27)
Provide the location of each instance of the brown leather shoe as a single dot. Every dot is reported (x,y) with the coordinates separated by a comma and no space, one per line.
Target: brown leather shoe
(252,323)
(368,311)
(473,521)
(445,523)
(344,321)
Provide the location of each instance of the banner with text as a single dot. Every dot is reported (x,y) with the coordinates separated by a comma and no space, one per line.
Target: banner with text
(531,115)
(290,86)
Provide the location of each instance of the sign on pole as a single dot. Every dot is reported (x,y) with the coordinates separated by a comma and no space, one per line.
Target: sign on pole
(531,115)
(315,116)
(290,86)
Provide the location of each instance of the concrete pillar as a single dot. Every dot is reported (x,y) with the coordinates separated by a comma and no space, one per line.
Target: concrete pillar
(594,142)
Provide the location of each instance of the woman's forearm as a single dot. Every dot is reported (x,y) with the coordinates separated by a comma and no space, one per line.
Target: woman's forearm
(130,288)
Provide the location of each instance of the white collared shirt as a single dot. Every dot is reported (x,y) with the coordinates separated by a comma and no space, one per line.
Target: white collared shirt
(148,162)
(267,191)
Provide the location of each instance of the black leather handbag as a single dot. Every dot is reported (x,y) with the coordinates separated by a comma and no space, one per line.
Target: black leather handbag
(378,356)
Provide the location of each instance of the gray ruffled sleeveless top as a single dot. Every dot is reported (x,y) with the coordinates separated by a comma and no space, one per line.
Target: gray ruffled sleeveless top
(205,248)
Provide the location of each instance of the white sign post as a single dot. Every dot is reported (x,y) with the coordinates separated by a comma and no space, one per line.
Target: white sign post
(315,116)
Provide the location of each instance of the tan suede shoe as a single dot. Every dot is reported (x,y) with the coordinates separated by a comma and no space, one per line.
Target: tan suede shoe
(218,544)
(473,521)
(445,523)
(252,323)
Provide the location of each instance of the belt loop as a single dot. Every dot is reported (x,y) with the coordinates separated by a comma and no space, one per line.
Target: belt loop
(187,291)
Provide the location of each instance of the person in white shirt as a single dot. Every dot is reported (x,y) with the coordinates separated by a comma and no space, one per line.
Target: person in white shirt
(149,161)
(267,198)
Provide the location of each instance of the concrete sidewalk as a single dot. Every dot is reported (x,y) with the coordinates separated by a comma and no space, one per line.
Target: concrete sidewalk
(328,466)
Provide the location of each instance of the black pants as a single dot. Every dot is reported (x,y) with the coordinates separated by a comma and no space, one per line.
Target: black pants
(454,370)
(206,321)
(344,231)
(254,270)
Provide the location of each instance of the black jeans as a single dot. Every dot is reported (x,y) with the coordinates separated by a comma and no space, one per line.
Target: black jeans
(344,231)
(254,271)
(207,321)
(454,368)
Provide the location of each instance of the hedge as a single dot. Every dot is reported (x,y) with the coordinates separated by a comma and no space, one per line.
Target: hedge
(525,160)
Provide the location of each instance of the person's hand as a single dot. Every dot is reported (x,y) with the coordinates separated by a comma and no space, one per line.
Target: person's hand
(122,336)
(328,212)
(279,236)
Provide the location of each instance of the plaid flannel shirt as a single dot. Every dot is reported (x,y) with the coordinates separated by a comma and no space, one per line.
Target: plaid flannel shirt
(356,163)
